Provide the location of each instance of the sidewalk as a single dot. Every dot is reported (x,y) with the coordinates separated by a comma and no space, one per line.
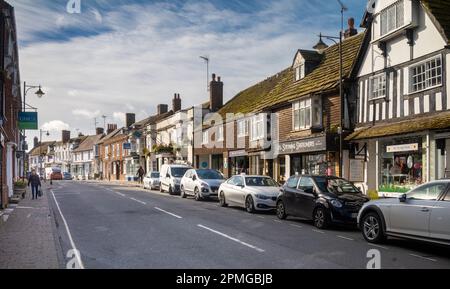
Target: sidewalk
(27,237)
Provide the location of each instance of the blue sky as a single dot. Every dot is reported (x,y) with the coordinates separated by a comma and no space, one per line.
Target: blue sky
(120,56)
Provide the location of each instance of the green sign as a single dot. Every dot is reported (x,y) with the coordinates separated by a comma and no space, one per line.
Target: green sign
(28,120)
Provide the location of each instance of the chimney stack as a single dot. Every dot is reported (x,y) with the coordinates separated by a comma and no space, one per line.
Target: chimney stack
(176,102)
(351,30)
(111,128)
(35,142)
(99,130)
(215,93)
(65,136)
(162,108)
(130,119)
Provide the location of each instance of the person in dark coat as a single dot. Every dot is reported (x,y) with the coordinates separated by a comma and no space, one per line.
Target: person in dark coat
(141,174)
(35,182)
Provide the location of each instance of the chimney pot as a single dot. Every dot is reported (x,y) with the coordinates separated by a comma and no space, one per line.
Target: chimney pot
(215,94)
(162,108)
(176,103)
(214,77)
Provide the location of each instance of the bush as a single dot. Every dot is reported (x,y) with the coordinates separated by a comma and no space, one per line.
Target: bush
(20,184)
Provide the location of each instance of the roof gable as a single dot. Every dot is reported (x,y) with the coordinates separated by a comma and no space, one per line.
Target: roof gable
(439,11)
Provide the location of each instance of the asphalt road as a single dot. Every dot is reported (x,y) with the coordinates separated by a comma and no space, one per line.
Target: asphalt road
(116,226)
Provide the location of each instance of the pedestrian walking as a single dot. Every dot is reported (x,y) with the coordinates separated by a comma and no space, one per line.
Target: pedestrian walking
(140,174)
(35,183)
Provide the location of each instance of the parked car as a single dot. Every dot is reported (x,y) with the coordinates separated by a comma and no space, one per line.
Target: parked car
(151,181)
(251,192)
(67,176)
(171,177)
(323,199)
(56,176)
(201,183)
(422,214)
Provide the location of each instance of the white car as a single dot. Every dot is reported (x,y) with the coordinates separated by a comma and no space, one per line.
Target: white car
(201,183)
(251,192)
(422,214)
(170,178)
(151,181)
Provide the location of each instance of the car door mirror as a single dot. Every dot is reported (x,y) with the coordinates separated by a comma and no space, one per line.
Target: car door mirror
(167,175)
(194,178)
(403,198)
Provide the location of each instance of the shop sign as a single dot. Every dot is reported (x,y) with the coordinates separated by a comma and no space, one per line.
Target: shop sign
(304,146)
(28,120)
(127,146)
(240,153)
(402,148)
(356,173)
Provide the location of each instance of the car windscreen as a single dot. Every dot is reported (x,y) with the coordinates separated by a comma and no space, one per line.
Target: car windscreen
(335,186)
(209,175)
(154,175)
(178,172)
(260,182)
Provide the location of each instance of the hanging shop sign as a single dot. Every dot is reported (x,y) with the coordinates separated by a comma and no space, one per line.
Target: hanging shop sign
(304,145)
(356,173)
(28,120)
(403,148)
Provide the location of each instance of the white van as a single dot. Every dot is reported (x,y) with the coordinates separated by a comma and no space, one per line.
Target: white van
(170,178)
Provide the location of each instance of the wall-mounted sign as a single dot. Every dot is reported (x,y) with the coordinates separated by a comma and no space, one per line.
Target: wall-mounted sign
(304,145)
(239,153)
(403,148)
(28,120)
(356,173)
(127,146)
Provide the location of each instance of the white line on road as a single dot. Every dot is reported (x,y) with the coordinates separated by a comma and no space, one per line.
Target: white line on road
(231,238)
(139,201)
(261,217)
(278,221)
(169,213)
(120,194)
(19,207)
(346,238)
(379,246)
(295,225)
(72,243)
(422,257)
(318,231)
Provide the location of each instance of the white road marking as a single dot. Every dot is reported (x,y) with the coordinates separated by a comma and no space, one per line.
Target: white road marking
(422,257)
(346,238)
(66,194)
(139,201)
(278,221)
(24,208)
(169,213)
(231,238)
(379,246)
(261,217)
(318,231)
(72,243)
(295,225)
(120,194)
(28,216)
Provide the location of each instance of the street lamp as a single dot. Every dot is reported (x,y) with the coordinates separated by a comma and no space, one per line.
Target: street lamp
(206,59)
(47,133)
(320,47)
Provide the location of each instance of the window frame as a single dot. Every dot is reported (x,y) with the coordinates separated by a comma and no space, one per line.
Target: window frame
(386,15)
(425,73)
(299,105)
(299,71)
(383,76)
(205,137)
(242,124)
(220,133)
(257,131)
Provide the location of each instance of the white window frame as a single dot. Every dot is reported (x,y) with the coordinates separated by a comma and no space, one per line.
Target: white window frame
(242,128)
(220,133)
(300,72)
(300,106)
(379,89)
(258,127)
(205,137)
(426,73)
(392,12)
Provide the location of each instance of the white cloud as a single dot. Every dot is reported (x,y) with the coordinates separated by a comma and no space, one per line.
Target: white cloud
(86,113)
(119,117)
(55,126)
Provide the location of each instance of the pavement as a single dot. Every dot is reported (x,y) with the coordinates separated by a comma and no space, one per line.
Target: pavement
(27,235)
(115,225)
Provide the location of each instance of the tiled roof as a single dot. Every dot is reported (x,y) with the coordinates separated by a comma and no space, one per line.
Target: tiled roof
(152,119)
(440,10)
(41,148)
(88,143)
(282,88)
(436,121)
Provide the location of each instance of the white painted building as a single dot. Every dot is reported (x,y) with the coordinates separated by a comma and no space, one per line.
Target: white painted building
(402,136)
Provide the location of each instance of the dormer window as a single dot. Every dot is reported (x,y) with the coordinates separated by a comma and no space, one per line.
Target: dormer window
(392,17)
(300,72)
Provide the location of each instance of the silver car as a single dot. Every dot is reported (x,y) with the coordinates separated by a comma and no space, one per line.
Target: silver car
(201,183)
(251,192)
(151,181)
(422,214)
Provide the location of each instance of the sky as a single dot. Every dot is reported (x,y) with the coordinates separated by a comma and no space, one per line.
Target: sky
(119,56)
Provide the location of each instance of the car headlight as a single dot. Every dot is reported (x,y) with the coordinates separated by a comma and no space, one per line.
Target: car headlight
(262,197)
(336,203)
(205,185)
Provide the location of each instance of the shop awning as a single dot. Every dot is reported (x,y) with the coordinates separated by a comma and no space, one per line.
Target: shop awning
(434,122)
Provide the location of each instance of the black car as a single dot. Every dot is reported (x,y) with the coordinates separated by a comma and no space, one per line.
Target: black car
(323,199)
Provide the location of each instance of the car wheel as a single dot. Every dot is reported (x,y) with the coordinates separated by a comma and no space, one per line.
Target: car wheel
(372,228)
(281,210)
(249,205)
(161,189)
(197,195)
(222,201)
(320,218)
(170,190)
(182,192)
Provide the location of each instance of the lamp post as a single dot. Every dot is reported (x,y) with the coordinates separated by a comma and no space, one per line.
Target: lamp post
(47,133)
(320,46)
(39,94)
(206,59)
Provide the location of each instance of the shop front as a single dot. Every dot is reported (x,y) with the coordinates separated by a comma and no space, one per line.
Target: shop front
(316,156)
(238,162)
